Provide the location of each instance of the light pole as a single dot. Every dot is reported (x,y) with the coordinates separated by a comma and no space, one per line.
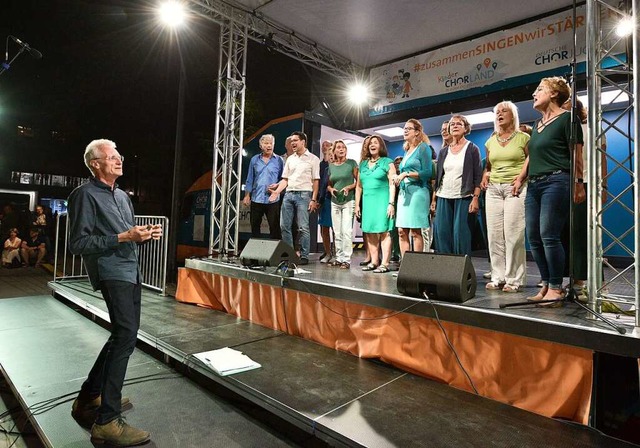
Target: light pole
(172,14)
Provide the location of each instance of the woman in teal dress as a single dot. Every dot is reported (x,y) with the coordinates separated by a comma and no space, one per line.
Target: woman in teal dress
(413,181)
(375,187)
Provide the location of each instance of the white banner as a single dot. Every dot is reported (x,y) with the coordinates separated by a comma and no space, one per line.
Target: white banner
(511,55)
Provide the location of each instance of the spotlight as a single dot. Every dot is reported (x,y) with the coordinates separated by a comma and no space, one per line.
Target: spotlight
(172,13)
(358,94)
(625,27)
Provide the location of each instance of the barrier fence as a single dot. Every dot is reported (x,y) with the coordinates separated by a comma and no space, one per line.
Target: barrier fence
(152,255)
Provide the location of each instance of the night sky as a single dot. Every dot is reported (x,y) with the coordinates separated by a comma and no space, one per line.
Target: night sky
(109,70)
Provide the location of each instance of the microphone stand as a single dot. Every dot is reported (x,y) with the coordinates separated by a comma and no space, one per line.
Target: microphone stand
(6,65)
(571,296)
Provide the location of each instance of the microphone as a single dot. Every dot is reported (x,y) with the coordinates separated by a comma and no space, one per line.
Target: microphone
(35,53)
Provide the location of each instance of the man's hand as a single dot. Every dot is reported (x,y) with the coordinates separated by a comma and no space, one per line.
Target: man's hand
(139,234)
(156,231)
(313,206)
(247,200)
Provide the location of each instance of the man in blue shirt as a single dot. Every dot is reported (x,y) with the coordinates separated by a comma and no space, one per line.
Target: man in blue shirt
(265,171)
(103,231)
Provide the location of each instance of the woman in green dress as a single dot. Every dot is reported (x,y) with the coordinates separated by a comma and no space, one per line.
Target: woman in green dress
(376,188)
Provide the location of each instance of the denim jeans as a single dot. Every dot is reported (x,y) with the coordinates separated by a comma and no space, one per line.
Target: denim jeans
(546,211)
(296,202)
(107,374)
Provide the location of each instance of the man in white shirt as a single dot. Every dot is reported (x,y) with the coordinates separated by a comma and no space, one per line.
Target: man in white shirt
(301,179)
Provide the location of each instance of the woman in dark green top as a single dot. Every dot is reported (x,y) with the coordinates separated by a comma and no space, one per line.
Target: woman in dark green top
(343,173)
(547,202)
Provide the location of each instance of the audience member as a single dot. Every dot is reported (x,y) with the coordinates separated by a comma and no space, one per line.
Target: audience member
(33,248)
(11,249)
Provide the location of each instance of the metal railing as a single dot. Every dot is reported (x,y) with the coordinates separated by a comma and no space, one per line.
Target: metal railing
(152,255)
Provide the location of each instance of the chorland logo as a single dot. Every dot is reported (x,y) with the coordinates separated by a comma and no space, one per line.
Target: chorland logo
(552,55)
(483,73)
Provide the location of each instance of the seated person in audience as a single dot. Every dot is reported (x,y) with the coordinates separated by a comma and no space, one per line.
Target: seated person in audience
(11,249)
(33,248)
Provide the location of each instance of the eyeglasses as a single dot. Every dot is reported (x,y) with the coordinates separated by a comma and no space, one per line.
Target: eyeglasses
(110,158)
(455,123)
(408,128)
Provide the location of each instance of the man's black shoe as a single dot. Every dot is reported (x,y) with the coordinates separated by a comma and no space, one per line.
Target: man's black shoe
(303,261)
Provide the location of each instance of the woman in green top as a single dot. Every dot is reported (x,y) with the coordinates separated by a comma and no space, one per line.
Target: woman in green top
(548,195)
(343,173)
(503,180)
(376,188)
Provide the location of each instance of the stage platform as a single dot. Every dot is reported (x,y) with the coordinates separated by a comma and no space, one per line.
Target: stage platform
(340,399)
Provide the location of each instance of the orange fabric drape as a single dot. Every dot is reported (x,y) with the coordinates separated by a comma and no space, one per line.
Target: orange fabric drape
(547,378)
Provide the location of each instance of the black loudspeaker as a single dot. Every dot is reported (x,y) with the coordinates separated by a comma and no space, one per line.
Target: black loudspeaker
(260,252)
(446,277)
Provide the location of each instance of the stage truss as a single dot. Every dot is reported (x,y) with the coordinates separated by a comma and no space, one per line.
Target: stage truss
(622,75)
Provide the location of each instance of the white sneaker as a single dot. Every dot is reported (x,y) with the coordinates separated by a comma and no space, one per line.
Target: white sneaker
(325,259)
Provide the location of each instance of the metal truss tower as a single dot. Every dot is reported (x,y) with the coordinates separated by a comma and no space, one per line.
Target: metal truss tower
(237,25)
(607,70)
(227,146)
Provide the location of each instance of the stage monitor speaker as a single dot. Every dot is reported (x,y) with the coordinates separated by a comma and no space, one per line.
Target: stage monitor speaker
(446,277)
(258,252)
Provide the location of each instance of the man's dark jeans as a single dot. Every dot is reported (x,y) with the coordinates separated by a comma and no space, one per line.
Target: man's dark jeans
(107,374)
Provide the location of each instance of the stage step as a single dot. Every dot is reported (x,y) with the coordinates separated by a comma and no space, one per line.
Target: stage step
(46,350)
(339,398)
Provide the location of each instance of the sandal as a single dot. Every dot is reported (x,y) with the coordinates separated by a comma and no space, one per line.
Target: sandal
(365,262)
(381,269)
(494,285)
(345,265)
(369,267)
(511,288)
(334,263)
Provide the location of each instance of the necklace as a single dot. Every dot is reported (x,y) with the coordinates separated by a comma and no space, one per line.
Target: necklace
(505,140)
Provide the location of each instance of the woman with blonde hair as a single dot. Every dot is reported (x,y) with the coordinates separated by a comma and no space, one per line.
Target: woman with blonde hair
(503,180)
(414,174)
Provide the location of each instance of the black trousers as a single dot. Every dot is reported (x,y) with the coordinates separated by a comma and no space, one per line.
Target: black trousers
(107,374)
(272,211)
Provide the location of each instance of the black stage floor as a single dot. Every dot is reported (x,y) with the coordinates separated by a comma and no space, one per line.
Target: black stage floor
(338,398)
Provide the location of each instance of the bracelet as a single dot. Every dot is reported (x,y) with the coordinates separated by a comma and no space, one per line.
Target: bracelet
(391,203)
(476,195)
(313,200)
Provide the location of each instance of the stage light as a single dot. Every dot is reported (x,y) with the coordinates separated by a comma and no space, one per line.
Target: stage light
(607,98)
(395,131)
(482,117)
(358,94)
(625,27)
(172,13)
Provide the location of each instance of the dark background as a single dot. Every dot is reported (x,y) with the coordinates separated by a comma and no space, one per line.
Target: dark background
(110,70)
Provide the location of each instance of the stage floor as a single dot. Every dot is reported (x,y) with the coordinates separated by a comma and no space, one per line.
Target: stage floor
(569,324)
(339,398)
